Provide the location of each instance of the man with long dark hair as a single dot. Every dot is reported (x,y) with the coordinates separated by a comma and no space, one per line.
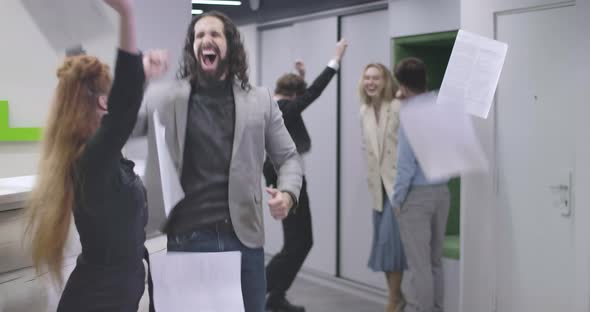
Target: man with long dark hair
(217,130)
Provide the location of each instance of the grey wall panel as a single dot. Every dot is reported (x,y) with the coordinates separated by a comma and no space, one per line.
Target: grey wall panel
(249,35)
(175,16)
(313,42)
(275,59)
(369,42)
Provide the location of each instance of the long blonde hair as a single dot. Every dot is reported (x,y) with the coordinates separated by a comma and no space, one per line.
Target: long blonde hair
(389,87)
(73,118)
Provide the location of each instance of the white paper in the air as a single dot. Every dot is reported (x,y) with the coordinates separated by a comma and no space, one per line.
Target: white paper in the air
(66,23)
(472,74)
(172,191)
(191,281)
(442,137)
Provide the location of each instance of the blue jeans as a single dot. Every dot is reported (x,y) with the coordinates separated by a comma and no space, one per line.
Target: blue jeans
(253,274)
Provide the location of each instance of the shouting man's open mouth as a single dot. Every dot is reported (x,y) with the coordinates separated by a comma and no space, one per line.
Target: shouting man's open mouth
(209,58)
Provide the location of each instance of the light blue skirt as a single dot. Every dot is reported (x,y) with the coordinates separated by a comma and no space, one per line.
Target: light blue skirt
(387,252)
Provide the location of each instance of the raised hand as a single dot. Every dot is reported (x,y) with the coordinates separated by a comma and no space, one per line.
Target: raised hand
(341,49)
(155,63)
(127,32)
(121,6)
(300,68)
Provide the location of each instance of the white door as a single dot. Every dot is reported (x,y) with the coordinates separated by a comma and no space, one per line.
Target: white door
(536,240)
(369,42)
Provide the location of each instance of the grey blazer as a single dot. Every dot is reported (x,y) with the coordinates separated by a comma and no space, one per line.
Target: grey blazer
(258,127)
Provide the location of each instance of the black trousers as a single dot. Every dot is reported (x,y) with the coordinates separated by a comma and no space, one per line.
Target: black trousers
(298,239)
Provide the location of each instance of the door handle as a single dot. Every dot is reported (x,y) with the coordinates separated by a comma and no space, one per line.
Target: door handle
(564,202)
(561,191)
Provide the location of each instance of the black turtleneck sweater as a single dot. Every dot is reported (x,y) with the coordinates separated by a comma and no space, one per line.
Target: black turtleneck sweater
(207,157)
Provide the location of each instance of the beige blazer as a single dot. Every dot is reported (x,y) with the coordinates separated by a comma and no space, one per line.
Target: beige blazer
(380,147)
(259,127)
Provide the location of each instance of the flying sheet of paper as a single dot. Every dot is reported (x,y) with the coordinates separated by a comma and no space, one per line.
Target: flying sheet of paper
(171,189)
(442,137)
(66,23)
(191,281)
(472,74)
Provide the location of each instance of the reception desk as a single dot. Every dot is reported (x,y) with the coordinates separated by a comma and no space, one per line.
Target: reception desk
(14,251)
(14,191)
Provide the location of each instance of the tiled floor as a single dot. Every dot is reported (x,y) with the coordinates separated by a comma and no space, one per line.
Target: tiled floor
(24,295)
(21,291)
(320,298)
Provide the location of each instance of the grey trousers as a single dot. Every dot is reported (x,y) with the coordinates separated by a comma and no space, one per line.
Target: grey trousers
(422,221)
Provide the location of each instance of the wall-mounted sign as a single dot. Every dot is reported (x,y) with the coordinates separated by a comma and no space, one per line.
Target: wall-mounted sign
(8,134)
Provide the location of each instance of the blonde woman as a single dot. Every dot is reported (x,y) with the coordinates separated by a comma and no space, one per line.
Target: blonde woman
(83,174)
(380,122)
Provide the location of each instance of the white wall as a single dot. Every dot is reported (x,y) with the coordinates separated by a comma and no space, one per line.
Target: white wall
(28,76)
(169,32)
(28,67)
(250,38)
(478,251)
(582,182)
(163,25)
(413,17)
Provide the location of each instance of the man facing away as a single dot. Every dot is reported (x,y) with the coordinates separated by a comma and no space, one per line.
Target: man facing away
(422,208)
(293,98)
(217,128)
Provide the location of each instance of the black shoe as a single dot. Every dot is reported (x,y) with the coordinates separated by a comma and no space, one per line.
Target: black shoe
(281,304)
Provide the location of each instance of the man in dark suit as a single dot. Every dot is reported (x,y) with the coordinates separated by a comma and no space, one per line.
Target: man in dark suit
(293,97)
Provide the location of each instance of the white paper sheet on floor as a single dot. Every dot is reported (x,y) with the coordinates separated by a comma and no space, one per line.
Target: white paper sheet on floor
(203,282)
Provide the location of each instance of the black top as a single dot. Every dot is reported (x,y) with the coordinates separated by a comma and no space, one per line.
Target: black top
(207,158)
(110,206)
(294,122)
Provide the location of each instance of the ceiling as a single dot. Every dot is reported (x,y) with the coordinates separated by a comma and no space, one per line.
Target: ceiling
(271,10)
